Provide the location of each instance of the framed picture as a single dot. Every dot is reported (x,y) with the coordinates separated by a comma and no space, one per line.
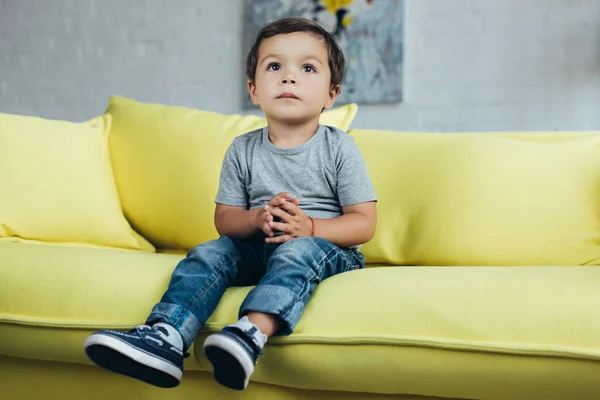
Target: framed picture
(370,32)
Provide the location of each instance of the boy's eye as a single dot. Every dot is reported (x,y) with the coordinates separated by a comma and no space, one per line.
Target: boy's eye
(273,67)
(308,68)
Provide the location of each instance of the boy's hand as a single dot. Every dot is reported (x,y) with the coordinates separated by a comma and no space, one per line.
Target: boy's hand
(295,222)
(265,217)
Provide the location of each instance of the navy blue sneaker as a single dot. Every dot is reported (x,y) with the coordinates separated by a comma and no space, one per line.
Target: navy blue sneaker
(142,353)
(233,353)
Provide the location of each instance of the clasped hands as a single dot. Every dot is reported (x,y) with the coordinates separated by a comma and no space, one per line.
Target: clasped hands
(294,222)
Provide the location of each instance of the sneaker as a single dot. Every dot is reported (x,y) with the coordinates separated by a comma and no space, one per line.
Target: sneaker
(233,353)
(142,353)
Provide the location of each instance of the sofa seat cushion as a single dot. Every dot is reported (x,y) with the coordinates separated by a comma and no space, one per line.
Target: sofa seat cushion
(445,331)
(440,331)
(52,297)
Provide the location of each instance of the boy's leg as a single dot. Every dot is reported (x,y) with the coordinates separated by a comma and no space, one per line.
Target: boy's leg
(154,352)
(275,305)
(199,282)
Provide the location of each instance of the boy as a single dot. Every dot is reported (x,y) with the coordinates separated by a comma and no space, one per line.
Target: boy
(283,244)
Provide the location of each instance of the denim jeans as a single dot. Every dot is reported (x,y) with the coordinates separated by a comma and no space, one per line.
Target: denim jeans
(285,276)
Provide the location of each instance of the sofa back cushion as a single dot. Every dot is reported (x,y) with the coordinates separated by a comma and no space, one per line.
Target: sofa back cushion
(167,162)
(484,199)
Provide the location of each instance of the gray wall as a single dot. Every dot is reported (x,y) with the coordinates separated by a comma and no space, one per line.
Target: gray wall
(470,65)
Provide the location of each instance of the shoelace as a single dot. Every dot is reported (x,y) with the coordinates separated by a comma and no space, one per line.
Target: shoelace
(160,333)
(149,329)
(164,337)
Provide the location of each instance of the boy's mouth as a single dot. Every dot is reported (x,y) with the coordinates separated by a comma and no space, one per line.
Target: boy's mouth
(288,95)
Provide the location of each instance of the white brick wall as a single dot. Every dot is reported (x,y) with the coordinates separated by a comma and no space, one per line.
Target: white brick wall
(469,65)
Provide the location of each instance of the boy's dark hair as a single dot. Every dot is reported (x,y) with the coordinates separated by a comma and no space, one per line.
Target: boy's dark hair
(292,25)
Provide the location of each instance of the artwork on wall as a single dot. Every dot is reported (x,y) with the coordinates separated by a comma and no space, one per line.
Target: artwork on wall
(370,33)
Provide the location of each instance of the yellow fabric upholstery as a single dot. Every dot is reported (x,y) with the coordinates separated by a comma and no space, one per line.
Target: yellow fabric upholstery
(24,379)
(167,162)
(474,199)
(558,136)
(454,332)
(436,332)
(57,184)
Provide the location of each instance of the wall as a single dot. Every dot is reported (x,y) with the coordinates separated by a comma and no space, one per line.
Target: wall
(470,65)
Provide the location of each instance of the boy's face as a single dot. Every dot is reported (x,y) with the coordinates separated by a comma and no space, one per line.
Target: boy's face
(292,81)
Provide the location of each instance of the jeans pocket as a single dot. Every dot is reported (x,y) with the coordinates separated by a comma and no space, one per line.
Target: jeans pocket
(352,267)
(357,261)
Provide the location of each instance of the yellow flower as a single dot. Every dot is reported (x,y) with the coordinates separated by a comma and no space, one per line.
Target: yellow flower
(333,5)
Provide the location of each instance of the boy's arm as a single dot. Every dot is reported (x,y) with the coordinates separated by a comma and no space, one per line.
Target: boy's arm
(356,226)
(235,221)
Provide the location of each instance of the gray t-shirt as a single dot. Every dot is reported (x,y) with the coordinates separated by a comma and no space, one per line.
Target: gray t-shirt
(326,173)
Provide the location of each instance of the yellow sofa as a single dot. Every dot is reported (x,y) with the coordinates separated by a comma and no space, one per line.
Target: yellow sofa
(480,281)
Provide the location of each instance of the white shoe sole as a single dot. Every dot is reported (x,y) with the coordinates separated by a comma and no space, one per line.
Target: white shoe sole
(138,355)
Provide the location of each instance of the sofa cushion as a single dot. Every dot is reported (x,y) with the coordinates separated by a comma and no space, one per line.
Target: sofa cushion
(27,379)
(477,199)
(457,332)
(56,184)
(52,297)
(167,162)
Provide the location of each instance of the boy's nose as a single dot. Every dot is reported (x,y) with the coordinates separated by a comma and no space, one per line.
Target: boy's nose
(289,79)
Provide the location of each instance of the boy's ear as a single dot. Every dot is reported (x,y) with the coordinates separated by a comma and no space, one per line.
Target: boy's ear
(334,91)
(252,92)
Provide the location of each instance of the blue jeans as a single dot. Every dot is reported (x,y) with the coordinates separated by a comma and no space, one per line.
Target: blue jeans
(285,276)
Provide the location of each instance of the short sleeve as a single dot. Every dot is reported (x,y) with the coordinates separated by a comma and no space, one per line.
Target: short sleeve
(232,187)
(354,184)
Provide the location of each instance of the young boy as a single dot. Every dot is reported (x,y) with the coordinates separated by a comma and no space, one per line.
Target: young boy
(284,244)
